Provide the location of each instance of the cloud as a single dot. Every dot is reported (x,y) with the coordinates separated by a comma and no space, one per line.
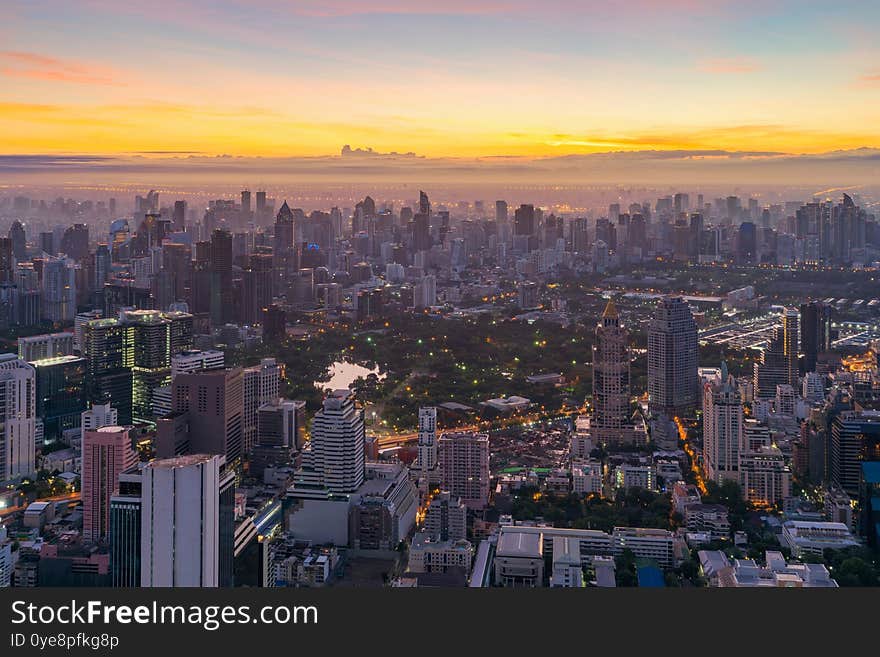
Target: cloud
(14,63)
(730,65)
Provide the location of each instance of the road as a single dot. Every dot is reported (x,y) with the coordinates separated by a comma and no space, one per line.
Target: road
(400,439)
(67,497)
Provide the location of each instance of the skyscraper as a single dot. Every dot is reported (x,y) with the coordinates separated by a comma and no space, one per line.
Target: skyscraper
(178,216)
(722,429)
(17,418)
(59,290)
(673,386)
(611,421)
(187,507)
(779,361)
(213,401)
(61,393)
(333,460)
(815,332)
(106,452)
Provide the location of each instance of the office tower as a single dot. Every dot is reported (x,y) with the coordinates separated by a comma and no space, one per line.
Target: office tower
(421,231)
(125,530)
(673,386)
(333,460)
(261,202)
(722,429)
(187,507)
(256,287)
(18,238)
(47,243)
(425,292)
(17,418)
(779,361)
(261,385)
(106,452)
(611,422)
(151,339)
(59,290)
(464,467)
(177,261)
(426,459)
(274,322)
(246,203)
(7,261)
(747,243)
(855,439)
(280,434)
(61,394)
(178,216)
(103,261)
(194,359)
(48,345)
(213,403)
(524,220)
(222,304)
(815,332)
(107,350)
(75,242)
(501,217)
(283,251)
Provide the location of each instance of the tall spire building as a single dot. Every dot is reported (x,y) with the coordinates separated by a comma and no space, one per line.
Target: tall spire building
(611,422)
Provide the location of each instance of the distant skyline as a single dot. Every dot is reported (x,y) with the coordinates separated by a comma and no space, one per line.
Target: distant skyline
(261,78)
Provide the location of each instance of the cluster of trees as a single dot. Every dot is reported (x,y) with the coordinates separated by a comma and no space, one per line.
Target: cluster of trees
(635,507)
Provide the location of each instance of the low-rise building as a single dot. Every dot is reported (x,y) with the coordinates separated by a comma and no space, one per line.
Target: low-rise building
(816,537)
(710,518)
(427,555)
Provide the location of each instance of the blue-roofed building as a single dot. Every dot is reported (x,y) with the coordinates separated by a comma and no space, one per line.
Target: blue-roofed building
(870,503)
(650,577)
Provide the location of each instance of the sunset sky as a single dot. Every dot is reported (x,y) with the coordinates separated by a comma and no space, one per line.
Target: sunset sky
(503,77)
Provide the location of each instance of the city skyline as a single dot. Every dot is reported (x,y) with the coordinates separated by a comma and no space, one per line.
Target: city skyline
(471,80)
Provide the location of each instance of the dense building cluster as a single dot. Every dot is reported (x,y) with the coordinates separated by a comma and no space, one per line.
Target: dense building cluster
(147,437)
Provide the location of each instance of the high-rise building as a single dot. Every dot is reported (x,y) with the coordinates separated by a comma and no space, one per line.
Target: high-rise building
(107,350)
(673,386)
(48,345)
(446,518)
(61,394)
(261,386)
(464,466)
(125,530)
(815,332)
(213,402)
(855,439)
(59,289)
(779,361)
(280,434)
(17,418)
(426,459)
(501,216)
(187,515)
(722,429)
(333,460)
(106,452)
(178,216)
(611,421)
